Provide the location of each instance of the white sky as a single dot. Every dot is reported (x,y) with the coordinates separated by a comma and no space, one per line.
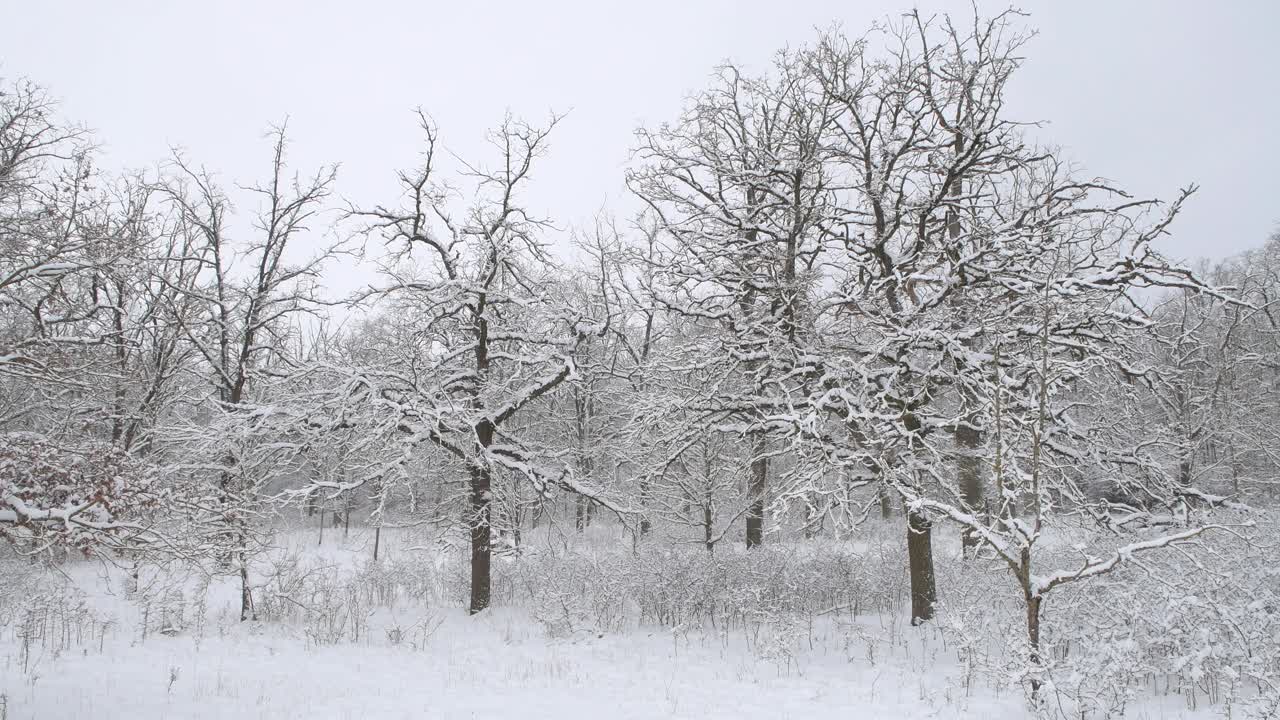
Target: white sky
(1153,95)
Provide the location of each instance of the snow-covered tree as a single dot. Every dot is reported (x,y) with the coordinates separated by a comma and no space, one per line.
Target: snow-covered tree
(740,192)
(491,336)
(234,304)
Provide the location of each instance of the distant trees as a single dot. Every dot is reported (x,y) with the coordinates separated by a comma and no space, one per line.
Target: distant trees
(1214,391)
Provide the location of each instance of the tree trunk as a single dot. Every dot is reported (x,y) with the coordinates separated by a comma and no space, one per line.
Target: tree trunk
(924,592)
(968,439)
(1033,637)
(708,520)
(481,538)
(645,524)
(247,611)
(377,540)
(756,491)
(886,503)
(812,518)
(584,407)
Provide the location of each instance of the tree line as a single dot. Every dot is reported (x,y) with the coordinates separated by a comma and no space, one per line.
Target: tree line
(857,288)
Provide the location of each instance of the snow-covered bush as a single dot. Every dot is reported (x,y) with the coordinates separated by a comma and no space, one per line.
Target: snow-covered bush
(574,593)
(1182,624)
(45,617)
(333,604)
(754,592)
(85,496)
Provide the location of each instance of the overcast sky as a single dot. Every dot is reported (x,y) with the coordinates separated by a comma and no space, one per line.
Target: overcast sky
(1152,95)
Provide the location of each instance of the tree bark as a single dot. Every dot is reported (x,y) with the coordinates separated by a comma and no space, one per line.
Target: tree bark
(584,407)
(708,519)
(481,539)
(1033,636)
(645,524)
(968,439)
(886,503)
(481,523)
(756,491)
(247,611)
(924,593)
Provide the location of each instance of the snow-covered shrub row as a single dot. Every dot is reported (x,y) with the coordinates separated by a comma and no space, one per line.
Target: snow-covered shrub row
(603,591)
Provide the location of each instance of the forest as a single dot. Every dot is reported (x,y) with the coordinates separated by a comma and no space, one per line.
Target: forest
(864,381)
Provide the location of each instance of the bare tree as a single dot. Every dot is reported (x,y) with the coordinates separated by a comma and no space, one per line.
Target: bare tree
(493,339)
(245,296)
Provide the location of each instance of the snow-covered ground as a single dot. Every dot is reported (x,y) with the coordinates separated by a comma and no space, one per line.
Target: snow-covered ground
(489,667)
(436,662)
